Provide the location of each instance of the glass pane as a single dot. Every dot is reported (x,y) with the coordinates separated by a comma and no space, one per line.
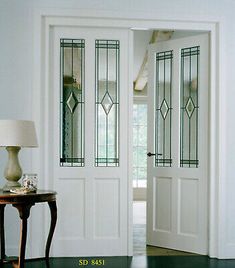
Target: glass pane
(189,107)
(107,103)
(163,104)
(140,145)
(72,102)
(142,183)
(142,156)
(135,180)
(141,173)
(135,156)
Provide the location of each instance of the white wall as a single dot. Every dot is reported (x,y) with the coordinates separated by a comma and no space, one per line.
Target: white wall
(15,89)
(16,32)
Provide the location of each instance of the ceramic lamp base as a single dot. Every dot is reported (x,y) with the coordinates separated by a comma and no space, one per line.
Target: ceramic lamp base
(13,171)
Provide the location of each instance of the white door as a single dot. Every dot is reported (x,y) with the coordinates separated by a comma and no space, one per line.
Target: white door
(177,199)
(87,140)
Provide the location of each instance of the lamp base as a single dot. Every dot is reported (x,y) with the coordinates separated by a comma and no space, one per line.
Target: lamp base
(13,171)
(10,185)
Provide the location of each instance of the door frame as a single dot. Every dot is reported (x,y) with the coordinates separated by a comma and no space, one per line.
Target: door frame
(45,19)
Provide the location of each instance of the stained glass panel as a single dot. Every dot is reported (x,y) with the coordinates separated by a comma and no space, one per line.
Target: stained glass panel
(72,53)
(189,107)
(163,106)
(107,103)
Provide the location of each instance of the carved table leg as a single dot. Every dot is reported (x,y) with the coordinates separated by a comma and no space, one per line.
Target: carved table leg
(53,210)
(24,211)
(2,234)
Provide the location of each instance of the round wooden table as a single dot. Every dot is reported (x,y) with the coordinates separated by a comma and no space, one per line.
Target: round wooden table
(23,203)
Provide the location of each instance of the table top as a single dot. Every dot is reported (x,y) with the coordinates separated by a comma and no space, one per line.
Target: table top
(37,197)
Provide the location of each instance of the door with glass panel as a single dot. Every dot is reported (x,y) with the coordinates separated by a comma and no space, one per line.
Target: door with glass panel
(177,198)
(88,140)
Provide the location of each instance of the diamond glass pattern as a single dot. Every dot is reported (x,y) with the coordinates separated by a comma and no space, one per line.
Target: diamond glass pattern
(107,103)
(163,104)
(72,102)
(164,109)
(107,106)
(190,107)
(189,104)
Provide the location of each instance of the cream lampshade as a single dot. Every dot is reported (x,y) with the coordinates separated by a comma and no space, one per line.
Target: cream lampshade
(15,134)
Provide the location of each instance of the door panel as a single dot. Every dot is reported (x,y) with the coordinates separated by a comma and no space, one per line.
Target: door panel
(162,200)
(92,195)
(177,197)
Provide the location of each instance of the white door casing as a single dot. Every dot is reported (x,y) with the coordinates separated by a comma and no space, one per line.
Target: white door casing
(177,198)
(92,201)
(45,20)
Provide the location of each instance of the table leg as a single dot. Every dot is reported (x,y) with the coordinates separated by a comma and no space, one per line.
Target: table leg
(2,234)
(24,211)
(53,210)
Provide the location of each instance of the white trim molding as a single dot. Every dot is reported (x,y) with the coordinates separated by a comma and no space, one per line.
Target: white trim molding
(47,18)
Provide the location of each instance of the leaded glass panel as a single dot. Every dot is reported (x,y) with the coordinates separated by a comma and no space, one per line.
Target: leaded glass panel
(163,106)
(107,103)
(189,107)
(72,53)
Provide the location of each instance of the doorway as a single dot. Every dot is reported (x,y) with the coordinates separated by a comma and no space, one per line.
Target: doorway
(141,42)
(42,92)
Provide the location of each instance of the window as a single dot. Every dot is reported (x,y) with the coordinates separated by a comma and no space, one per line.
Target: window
(140,145)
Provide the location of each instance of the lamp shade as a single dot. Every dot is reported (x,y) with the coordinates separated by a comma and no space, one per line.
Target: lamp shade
(18,133)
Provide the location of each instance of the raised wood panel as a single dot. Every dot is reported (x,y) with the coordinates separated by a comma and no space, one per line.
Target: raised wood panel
(71,202)
(107,208)
(162,202)
(188,206)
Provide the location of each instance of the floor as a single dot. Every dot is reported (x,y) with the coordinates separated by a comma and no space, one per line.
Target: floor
(134,262)
(139,235)
(163,258)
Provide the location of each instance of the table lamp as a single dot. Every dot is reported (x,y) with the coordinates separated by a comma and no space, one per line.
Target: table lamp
(15,134)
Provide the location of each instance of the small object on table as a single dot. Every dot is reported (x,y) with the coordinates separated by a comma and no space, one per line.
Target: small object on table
(22,190)
(30,181)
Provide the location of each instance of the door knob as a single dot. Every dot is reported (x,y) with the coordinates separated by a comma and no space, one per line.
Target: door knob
(151,154)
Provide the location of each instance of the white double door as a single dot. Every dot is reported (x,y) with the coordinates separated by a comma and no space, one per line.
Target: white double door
(177,202)
(92,200)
